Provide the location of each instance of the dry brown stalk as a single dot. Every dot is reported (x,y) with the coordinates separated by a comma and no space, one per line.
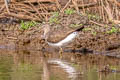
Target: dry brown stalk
(115,1)
(102,25)
(13,38)
(108,11)
(62,10)
(85,5)
(35,9)
(20,16)
(6,5)
(116,21)
(102,10)
(26,12)
(20,5)
(33,1)
(40,11)
(44,10)
(58,5)
(3,6)
(75,5)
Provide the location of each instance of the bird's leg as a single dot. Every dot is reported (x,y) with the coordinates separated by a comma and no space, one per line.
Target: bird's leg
(60,52)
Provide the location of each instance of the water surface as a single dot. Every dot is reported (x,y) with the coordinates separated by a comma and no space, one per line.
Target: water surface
(37,65)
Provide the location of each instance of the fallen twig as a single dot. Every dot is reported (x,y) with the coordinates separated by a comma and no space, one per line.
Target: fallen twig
(102,25)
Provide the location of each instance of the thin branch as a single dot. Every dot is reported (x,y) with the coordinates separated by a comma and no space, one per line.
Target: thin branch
(6,4)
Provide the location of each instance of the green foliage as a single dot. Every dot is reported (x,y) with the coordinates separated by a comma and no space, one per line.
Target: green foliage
(54,18)
(55,14)
(119,30)
(75,25)
(106,26)
(92,16)
(113,30)
(87,29)
(69,11)
(94,33)
(26,25)
(113,67)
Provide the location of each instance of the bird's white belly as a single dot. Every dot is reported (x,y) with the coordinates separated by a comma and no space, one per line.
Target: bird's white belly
(66,40)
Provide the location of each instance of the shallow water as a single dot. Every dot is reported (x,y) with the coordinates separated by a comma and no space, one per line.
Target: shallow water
(36,65)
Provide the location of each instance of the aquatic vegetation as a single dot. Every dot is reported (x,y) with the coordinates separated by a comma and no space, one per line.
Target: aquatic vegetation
(112,30)
(26,25)
(69,11)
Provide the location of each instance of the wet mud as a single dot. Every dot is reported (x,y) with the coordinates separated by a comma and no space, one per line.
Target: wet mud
(93,39)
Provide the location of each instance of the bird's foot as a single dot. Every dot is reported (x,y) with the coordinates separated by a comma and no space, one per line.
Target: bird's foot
(61,52)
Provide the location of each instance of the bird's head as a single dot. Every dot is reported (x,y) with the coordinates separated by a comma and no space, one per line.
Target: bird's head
(46,29)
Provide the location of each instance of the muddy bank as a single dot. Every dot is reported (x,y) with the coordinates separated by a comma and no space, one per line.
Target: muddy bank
(93,37)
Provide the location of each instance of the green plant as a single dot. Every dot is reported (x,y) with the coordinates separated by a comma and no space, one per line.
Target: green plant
(113,30)
(94,33)
(106,26)
(87,29)
(26,25)
(54,18)
(55,14)
(75,25)
(69,11)
(92,16)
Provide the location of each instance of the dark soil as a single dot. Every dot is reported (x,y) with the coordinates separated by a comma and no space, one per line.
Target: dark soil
(93,37)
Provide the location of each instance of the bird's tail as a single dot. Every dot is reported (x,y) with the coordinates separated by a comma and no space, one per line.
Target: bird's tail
(50,43)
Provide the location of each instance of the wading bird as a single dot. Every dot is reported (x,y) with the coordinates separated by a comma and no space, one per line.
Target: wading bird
(63,42)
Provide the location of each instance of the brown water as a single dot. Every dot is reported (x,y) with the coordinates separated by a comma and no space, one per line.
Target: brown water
(36,65)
